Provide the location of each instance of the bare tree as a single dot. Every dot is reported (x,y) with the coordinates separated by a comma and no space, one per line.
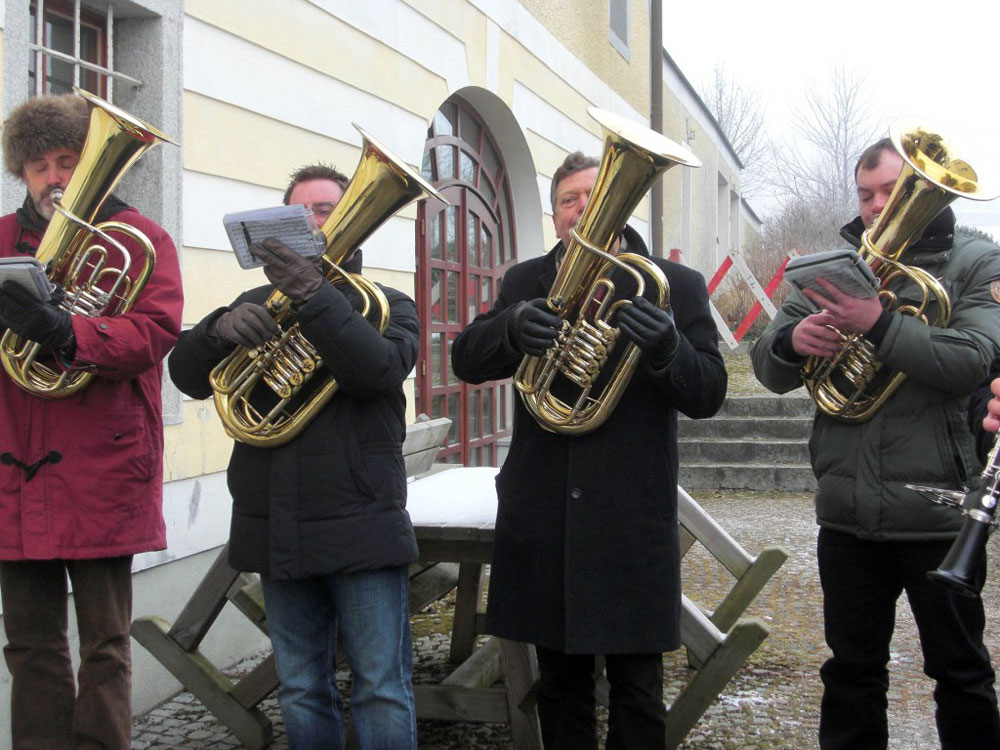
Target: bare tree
(831,129)
(811,174)
(741,118)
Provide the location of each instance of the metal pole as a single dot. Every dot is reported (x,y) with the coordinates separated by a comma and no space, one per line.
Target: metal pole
(656,118)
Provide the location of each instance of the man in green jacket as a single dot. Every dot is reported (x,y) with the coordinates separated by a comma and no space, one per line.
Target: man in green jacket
(877,538)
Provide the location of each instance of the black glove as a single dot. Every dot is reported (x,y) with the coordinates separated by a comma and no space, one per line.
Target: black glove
(296,277)
(651,329)
(532,327)
(246,325)
(43,322)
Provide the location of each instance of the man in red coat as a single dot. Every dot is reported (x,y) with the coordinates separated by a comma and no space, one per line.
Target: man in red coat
(81,477)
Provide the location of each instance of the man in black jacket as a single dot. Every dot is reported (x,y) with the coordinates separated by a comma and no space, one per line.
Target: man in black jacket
(586,556)
(322,518)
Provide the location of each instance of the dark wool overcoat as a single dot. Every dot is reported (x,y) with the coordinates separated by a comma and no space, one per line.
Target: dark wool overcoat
(586,557)
(334,498)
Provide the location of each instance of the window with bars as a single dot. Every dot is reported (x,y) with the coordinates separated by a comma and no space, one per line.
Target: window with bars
(71,46)
(51,45)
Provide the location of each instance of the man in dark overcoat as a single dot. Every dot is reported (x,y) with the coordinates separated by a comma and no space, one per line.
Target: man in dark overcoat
(586,559)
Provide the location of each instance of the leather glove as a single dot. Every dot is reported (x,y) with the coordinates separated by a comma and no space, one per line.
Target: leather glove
(532,327)
(246,325)
(651,329)
(43,322)
(296,277)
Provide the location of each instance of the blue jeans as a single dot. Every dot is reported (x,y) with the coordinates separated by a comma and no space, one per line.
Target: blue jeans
(370,609)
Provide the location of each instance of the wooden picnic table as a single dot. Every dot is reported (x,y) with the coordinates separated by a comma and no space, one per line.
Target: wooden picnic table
(453,513)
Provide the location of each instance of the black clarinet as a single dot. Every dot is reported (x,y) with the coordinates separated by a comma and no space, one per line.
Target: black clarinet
(958,569)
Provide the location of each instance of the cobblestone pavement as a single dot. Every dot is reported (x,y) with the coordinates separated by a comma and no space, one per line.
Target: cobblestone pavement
(771,703)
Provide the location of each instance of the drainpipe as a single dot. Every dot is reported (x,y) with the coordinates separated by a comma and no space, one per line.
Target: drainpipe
(656,118)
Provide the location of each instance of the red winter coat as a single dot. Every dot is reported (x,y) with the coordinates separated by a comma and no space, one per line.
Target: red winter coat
(82,477)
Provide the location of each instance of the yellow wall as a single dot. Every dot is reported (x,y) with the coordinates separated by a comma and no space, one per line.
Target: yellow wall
(305,33)
(218,137)
(583,27)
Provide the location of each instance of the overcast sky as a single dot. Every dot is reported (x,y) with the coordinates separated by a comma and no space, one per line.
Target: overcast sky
(939,61)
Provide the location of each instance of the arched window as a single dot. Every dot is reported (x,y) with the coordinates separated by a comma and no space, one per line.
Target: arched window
(463,250)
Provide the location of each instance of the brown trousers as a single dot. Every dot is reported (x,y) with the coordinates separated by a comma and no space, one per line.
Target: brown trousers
(47,711)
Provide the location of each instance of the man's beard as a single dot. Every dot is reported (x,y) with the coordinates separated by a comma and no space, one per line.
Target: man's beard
(44,207)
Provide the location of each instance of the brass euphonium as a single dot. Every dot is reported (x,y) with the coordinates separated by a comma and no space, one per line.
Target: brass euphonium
(94,283)
(852,385)
(270,416)
(583,293)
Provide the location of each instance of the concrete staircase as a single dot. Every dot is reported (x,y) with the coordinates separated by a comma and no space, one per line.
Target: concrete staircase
(755,442)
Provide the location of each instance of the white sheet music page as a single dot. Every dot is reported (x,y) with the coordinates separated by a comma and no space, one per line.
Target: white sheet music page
(292,225)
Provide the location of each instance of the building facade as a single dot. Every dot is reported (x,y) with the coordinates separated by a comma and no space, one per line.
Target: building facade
(484,97)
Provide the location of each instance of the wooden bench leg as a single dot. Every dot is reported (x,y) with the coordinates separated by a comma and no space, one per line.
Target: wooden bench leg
(745,590)
(234,706)
(205,603)
(463,631)
(716,672)
(721,656)
(520,676)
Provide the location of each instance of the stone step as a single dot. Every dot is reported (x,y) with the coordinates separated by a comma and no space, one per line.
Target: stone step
(758,427)
(768,405)
(743,451)
(755,442)
(776,478)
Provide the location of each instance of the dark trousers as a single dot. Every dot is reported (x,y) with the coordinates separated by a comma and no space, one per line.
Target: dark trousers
(47,711)
(861,582)
(566,703)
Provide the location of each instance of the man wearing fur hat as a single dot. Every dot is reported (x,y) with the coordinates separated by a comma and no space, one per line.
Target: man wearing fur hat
(81,477)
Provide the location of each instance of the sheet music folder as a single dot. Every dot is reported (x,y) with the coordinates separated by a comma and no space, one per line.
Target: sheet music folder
(29,273)
(290,224)
(844,268)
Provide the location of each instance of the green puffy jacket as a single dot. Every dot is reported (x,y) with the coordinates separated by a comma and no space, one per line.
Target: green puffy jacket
(920,434)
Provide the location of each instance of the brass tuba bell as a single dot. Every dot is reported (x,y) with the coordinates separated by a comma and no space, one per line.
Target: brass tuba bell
(95,284)
(271,415)
(852,385)
(583,292)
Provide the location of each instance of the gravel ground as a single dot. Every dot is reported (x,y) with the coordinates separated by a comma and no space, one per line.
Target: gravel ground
(772,702)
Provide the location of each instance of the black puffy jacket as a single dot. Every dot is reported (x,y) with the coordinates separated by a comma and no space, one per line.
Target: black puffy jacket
(919,435)
(333,499)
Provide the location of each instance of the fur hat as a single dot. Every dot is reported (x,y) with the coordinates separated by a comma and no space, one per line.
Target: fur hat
(43,123)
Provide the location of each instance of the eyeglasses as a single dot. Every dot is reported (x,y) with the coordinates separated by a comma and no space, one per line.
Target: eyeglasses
(324,208)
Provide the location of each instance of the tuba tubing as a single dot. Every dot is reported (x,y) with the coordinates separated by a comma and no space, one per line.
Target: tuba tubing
(278,370)
(94,283)
(583,291)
